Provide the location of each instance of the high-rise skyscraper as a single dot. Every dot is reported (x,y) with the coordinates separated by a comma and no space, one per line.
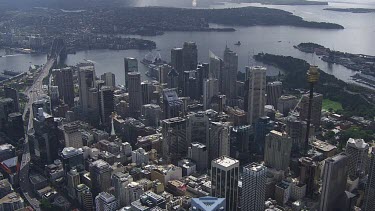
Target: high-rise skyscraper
(197,129)
(107,104)
(84,197)
(12,94)
(189,56)
(199,153)
(172,79)
(106,202)
(147,91)
(262,127)
(164,69)
(277,150)
(210,89)
(174,142)
(230,73)
(6,107)
(201,75)
(369,203)
(274,91)
(308,174)
(224,180)
(73,180)
(255,93)
(100,173)
(72,158)
(94,107)
(216,66)
(72,135)
(241,138)
(15,127)
(64,80)
(357,149)
(335,172)
(253,187)
(219,140)
(177,64)
(172,105)
(135,93)
(44,142)
(131,65)
(109,79)
(190,86)
(286,103)
(120,181)
(86,79)
(297,129)
(316,108)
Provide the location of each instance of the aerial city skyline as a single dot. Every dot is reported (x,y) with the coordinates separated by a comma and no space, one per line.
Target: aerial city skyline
(184,132)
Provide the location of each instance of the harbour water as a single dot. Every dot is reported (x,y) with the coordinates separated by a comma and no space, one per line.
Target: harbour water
(357,37)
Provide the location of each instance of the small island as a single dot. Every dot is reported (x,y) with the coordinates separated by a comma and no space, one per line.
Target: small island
(286,2)
(352,10)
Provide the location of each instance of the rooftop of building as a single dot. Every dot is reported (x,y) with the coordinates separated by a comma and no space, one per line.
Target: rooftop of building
(100,164)
(255,167)
(134,122)
(287,97)
(11,162)
(283,185)
(153,106)
(82,187)
(316,95)
(241,128)
(134,73)
(107,197)
(186,163)
(106,154)
(337,157)
(71,127)
(174,120)
(323,146)
(10,198)
(4,183)
(226,161)
(357,143)
(99,132)
(170,95)
(166,169)
(198,145)
(275,83)
(277,133)
(152,137)
(14,114)
(4,147)
(37,178)
(257,68)
(5,100)
(68,152)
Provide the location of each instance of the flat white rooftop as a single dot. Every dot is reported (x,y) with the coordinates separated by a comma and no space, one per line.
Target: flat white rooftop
(226,161)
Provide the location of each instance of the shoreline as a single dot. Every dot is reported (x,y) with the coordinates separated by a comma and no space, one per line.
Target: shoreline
(352,10)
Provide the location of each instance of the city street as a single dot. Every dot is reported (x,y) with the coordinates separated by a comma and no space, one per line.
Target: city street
(32,92)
